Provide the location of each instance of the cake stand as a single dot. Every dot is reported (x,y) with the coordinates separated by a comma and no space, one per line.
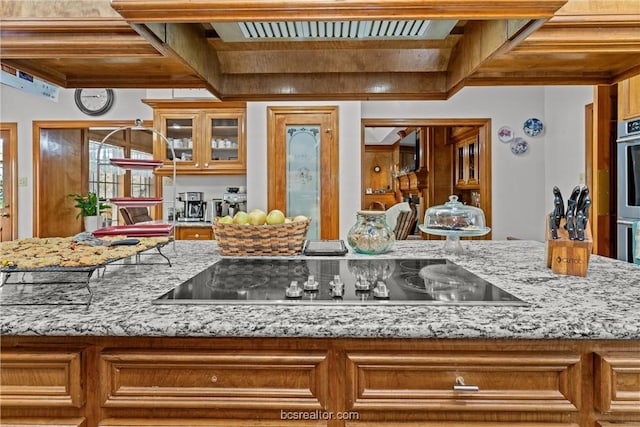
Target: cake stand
(452,245)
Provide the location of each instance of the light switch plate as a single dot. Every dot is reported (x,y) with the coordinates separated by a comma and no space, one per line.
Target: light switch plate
(22,181)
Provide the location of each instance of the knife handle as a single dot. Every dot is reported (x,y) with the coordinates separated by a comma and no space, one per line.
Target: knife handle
(553,226)
(580,226)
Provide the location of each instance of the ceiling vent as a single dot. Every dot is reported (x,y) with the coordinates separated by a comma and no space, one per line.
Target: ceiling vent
(335,30)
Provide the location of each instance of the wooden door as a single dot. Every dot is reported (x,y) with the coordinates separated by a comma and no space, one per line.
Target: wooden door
(60,168)
(8,178)
(296,188)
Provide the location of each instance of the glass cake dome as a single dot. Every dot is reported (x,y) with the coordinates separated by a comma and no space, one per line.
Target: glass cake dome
(454,220)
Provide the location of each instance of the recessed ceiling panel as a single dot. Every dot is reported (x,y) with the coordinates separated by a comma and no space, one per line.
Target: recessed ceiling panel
(335,30)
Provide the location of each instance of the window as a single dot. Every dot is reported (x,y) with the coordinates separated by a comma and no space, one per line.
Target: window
(141,180)
(108,180)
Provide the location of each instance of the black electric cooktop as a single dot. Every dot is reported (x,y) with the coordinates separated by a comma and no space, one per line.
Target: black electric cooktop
(337,281)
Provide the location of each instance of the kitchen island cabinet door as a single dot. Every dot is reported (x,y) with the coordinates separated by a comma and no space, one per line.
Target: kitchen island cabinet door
(617,383)
(42,378)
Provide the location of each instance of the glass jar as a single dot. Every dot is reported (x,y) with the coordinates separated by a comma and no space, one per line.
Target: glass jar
(371,234)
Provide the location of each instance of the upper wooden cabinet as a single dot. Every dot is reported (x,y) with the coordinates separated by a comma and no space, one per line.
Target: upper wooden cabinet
(467,163)
(629,98)
(208,137)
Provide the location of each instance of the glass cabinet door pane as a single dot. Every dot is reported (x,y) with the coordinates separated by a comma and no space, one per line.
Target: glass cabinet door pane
(180,133)
(224,139)
(303,175)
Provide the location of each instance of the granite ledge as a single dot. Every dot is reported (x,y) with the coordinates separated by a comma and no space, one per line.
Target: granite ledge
(603,305)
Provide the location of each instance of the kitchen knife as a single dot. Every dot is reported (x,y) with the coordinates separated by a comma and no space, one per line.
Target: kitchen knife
(552,225)
(558,203)
(571,212)
(582,216)
(584,194)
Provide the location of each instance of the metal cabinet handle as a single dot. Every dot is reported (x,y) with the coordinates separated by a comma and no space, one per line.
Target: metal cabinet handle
(197,165)
(214,379)
(4,215)
(461,386)
(206,165)
(197,236)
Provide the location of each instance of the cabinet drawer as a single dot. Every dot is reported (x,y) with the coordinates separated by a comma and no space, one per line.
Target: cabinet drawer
(46,422)
(214,380)
(181,422)
(455,424)
(617,382)
(506,381)
(42,379)
(194,233)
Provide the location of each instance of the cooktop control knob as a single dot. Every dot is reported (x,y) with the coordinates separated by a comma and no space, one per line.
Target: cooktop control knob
(381,290)
(293,291)
(362,285)
(311,284)
(337,287)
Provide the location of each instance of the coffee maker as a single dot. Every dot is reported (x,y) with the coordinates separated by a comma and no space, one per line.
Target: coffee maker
(233,201)
(194,206)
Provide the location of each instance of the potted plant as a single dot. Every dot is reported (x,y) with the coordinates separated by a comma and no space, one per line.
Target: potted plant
(88,205)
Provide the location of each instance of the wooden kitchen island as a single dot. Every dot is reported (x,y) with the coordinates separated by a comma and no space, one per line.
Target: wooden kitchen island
(569,358)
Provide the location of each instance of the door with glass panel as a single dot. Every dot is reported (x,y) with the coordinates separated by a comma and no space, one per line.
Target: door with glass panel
(8,188)
(302,166)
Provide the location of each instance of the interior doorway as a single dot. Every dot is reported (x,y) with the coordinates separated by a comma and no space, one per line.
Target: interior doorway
(8,181)
(429,160)
(302,166)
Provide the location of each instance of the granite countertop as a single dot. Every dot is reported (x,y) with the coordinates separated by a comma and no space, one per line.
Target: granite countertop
(193,223)
(603,305)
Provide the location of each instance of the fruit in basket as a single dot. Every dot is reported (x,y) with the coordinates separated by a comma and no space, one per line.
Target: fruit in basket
(241,218)
(301,218)
(257,217)
(275,216)
(288,220)
(225,220)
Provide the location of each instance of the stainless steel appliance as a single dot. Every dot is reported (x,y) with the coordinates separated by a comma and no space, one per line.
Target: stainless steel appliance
(337,282)
(194,206)
(628,186)
(234,202)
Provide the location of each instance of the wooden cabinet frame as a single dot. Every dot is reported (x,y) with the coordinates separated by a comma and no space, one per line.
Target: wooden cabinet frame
(383,382)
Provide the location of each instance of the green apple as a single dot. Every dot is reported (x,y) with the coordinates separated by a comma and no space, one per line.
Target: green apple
(241,217)
(257,217)
(275,217)
(301,218)
(225,220)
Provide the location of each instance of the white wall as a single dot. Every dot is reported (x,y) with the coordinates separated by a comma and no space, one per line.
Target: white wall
(521,184)
(25,108)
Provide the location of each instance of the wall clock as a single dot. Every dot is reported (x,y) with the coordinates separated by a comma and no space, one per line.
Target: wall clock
(94,102)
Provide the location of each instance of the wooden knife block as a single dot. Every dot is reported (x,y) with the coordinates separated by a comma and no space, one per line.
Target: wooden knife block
(565,256)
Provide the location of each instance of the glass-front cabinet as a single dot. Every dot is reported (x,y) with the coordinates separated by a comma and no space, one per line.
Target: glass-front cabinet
(207,137)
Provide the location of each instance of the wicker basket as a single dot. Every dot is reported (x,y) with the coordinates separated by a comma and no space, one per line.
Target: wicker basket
(281,239)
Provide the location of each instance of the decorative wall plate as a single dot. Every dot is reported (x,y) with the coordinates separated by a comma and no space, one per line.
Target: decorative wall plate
(505,134)
(533,127)
(519,146)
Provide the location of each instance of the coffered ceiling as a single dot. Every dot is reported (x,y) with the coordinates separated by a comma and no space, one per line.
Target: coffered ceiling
(322,49)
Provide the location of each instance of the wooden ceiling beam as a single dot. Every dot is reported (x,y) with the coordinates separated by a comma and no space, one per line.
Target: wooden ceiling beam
(483,40)
(334,61)
(335,86)
(273,10)
(188,44)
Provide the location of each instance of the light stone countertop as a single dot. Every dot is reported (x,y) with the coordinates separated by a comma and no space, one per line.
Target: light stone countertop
(603,305)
